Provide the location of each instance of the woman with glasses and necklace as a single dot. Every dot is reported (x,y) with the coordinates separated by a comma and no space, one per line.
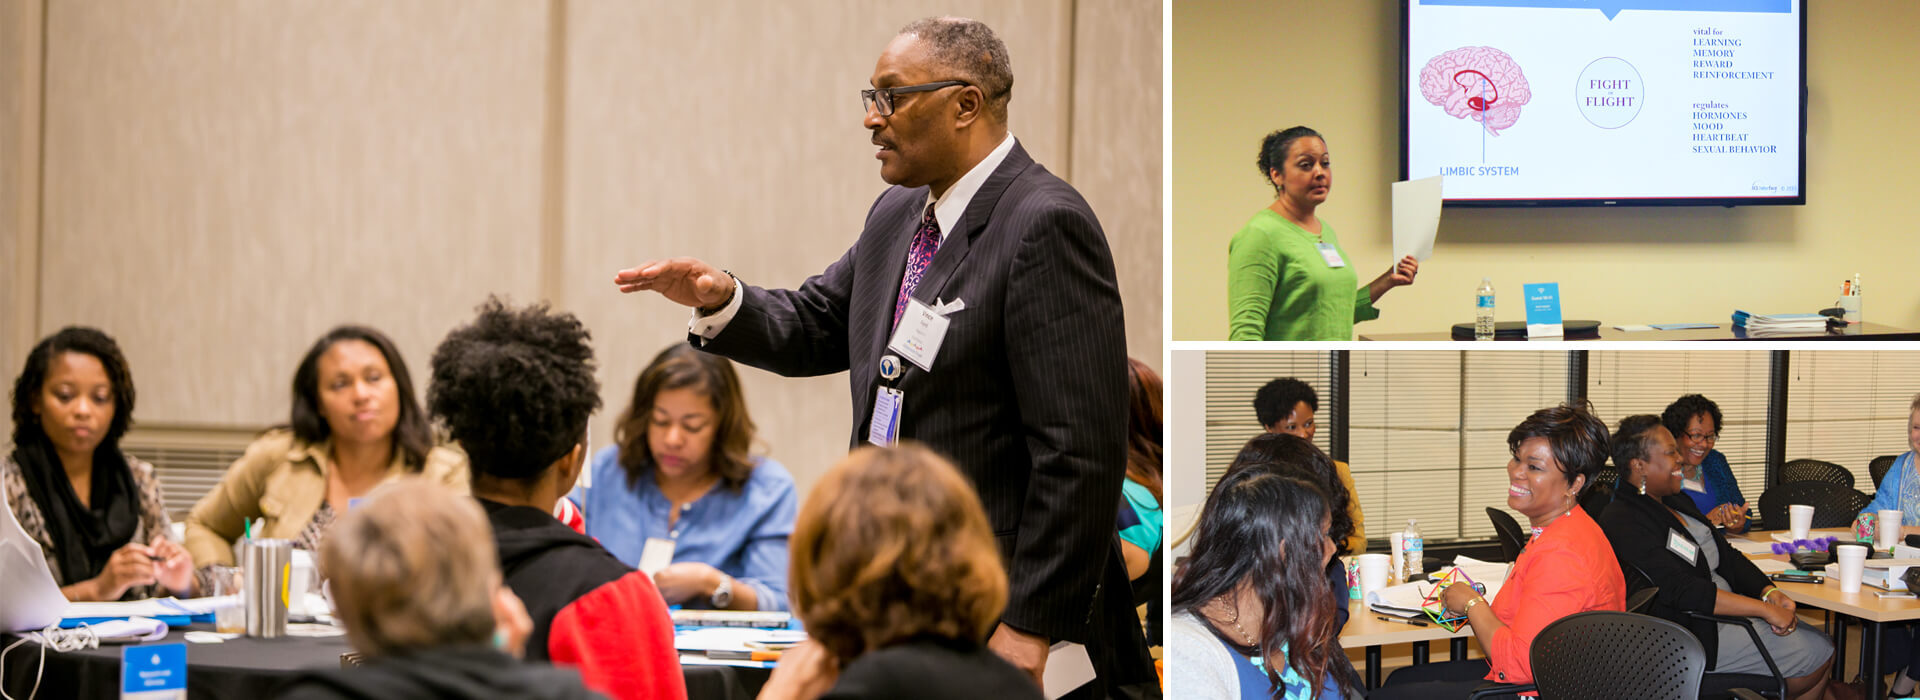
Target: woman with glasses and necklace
(1287,277)
(1694,421)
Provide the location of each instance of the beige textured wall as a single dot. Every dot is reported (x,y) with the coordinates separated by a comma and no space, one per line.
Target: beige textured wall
(228,179)
(1117,116)
(19,187)
(1239,76)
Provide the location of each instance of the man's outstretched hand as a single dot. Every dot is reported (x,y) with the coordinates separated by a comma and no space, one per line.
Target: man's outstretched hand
(685,281)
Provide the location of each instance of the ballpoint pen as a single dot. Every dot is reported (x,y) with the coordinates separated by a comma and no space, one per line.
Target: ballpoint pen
(1402,620)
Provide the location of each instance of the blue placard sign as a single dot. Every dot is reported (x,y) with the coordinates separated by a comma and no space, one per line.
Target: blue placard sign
(154,671)
(1543,309)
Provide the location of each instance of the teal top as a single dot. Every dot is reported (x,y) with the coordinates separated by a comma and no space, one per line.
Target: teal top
(1143,528)
(1279,287)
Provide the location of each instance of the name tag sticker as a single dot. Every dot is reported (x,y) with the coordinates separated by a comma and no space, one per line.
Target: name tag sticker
(1683,546)
(920,334)
(1330,254)
(884,428)
(656,555)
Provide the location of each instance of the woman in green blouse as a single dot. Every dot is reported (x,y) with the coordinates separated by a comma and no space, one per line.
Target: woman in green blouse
(1287,278)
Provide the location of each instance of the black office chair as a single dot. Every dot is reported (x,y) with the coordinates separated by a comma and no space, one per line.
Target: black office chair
(1600,492)
(1509,532)
(1644,657)
(1879,467)
(1833,505)
(1725,685)
(1637,603)
(1146,591)
(1815,470)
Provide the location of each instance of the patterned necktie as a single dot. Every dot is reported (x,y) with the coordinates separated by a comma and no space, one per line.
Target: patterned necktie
(926,241)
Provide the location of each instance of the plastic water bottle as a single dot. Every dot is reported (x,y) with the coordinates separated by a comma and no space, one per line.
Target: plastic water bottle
(1413,548)
(1483,310)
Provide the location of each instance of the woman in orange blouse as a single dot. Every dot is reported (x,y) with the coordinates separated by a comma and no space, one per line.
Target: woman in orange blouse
(1568,567)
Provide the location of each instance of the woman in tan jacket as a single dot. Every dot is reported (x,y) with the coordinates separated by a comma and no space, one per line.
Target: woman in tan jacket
(355,424)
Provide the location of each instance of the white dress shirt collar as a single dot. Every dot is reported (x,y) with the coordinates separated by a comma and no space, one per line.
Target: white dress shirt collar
(948,208)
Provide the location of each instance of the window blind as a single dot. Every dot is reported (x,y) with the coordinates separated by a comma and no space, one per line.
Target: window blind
(1428,434)
(1232,379)
(1625,383)
(1848,407)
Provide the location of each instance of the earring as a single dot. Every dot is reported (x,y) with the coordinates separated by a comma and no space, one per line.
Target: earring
(1643,486)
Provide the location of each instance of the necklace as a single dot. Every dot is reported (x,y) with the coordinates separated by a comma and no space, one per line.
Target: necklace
(1247,640)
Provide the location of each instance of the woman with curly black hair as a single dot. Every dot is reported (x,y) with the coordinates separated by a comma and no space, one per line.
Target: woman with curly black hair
(354,425)
(1694,421)
(515,388)
(96,512)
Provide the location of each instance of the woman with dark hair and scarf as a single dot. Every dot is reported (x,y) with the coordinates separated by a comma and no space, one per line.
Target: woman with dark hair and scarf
(96,512)
(1250,618)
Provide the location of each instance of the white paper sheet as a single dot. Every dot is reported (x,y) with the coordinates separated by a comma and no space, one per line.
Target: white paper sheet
(1416,217)
(1771,566)
(1746,546)
(32,600)
(1068,667)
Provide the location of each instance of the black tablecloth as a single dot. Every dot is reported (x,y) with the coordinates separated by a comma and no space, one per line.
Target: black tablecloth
(251,668)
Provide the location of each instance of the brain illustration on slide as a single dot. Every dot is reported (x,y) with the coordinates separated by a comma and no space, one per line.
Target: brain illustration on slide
(1481,83)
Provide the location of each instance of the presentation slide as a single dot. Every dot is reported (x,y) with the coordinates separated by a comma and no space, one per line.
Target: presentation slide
(1631,99)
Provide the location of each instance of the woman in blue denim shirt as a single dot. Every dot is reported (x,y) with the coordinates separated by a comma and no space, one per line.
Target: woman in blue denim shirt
(679,476)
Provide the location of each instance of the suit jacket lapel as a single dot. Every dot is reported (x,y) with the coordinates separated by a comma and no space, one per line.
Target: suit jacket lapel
(953,250)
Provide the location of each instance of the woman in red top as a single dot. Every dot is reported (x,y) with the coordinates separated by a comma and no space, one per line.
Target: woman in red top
(1567,568)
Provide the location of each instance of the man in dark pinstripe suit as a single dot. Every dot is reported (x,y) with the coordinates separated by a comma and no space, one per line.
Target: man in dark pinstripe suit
(1027,391)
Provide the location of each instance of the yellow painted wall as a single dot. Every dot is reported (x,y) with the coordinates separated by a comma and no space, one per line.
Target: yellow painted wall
(1242,69)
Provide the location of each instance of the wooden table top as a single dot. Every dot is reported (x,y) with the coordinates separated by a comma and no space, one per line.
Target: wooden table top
(1866,604)
(1364,629)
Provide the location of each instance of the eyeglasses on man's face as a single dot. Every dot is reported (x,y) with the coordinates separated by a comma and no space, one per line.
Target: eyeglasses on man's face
(880,100)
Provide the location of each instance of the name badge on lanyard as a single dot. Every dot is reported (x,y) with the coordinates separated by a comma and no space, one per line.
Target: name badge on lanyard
(884,427)
(1683,546)
(1330,254)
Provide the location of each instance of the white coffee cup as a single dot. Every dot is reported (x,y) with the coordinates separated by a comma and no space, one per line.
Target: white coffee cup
(1373,572)
(1853,564)
(299,580)
(1887,530)
(1799,520)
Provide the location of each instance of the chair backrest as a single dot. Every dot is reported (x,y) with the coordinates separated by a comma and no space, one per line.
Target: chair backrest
(1605,655)
(1879,467)
(1508,530)
(1833,505)
(1815,470)
(1640,598)
(1599,492)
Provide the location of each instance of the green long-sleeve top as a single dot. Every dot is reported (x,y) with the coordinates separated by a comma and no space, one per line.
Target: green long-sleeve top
(1280,288)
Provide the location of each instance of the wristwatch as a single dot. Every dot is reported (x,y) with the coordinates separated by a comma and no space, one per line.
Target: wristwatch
(723,595)
(1469,608)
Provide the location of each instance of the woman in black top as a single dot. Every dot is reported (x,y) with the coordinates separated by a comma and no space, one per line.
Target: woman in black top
(1662,539)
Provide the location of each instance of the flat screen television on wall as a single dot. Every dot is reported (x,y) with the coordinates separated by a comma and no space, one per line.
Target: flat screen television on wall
(1549,103)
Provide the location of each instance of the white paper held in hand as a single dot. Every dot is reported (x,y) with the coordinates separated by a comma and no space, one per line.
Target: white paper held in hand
(1416,217)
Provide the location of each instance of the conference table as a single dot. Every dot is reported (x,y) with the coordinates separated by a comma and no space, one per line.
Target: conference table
(252,668)
(1725,331)
(1872,611)
(1365,629)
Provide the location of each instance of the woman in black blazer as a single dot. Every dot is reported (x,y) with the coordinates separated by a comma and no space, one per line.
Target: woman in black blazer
(1657,531)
